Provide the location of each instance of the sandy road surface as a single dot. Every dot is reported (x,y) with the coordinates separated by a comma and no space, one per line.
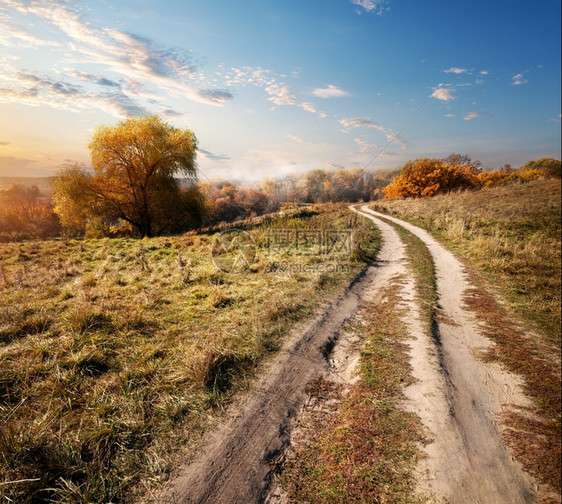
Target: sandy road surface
(456,396)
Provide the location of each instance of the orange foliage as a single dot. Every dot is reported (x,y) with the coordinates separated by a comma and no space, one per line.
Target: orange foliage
(428,177)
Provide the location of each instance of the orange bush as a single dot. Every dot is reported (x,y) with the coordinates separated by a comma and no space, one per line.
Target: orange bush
(428,177)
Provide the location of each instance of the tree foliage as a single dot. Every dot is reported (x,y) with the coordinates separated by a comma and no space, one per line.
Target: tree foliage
(428,177)
(136,165)
(26,213)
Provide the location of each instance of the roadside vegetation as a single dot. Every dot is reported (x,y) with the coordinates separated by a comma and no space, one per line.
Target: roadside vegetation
(511,234)
(116,352)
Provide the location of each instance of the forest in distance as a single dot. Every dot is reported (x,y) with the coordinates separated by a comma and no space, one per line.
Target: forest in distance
(145,182)
(27,208)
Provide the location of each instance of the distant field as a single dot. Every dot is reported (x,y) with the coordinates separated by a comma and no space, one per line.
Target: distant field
(510,233)
(115,352)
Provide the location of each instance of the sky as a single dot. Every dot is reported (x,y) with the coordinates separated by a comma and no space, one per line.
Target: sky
(276,87)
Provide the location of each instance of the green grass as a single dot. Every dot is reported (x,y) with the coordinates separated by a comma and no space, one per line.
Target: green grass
(511,234)
(421,266)
(115,353)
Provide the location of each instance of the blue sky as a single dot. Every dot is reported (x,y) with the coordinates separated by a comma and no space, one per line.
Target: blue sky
(272,88)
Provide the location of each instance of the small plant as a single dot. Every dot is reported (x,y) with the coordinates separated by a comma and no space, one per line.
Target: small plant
(141,259)
(184,268)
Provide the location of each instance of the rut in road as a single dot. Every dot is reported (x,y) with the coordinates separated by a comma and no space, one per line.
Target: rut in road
(459,398)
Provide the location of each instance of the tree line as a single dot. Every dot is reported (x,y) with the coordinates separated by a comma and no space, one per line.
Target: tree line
(143,182)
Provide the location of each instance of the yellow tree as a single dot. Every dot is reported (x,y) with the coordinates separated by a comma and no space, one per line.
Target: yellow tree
(136,165)
(427,177)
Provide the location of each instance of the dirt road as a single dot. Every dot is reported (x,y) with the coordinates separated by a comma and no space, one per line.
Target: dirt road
(456,396)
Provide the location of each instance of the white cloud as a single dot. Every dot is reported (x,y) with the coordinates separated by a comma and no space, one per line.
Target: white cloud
(280,94)
(9,33)
(443,94)
(484,72)
(518,79)
(372,6)
(358,122)
(330,92)
(295,138)
(456,70)
(471,115)
(132,58)
(392,138)
(309,107)
(365,147)
(450,115)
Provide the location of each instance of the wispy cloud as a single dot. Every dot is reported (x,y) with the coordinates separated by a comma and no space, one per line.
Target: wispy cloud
(330,91)
(472,115)
(456,70)
(365,147)
(11,35)
(211,156)
(443,93)
(131,58)
(280,94)
(295,138)
(102,81)
(359,122)
(518,80)
(372,6)
(4,144)
(34,90)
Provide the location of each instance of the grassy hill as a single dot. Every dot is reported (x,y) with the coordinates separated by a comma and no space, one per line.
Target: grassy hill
(115,352)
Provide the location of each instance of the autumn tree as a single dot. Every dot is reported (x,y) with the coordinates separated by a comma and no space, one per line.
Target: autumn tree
(24,211)
(548,166)
(136,165)
(427,177)
(464,161)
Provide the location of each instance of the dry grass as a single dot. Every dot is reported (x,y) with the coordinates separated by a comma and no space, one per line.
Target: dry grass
(114,352)
(533,434)
(512,234)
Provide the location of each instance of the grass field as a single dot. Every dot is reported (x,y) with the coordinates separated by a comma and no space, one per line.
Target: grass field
(115,352)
